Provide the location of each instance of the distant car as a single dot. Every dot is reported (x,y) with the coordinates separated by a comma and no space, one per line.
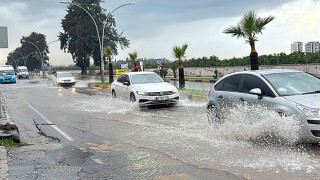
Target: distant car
(146,88)
(22,72)
(64,78)
(288,92)
(7,74)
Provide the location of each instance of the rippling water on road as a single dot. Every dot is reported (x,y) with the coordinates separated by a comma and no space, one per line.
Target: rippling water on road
(247,145)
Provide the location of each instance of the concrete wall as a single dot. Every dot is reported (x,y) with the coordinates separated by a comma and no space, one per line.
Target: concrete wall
(209,72)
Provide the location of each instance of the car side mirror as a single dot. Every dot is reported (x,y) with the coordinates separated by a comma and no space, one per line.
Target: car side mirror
(256,91)
(126,83)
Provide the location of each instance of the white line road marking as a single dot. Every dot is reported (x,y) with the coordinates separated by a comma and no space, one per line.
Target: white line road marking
(49,122)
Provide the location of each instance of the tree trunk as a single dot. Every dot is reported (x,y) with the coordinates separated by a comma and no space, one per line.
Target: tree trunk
(254,62)
(181,78)
(110,72)
(174,73)
(84,70)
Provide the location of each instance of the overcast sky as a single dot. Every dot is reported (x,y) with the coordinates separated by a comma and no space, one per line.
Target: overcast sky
(155,26)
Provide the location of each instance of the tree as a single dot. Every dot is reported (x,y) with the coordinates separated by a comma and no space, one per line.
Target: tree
(80,37)
(36,42)
(179,53)
(108,53)
(174,68)
(28,54)
(248,28)
(133,56)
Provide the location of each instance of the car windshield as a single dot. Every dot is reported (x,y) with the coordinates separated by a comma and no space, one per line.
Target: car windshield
(7,72)
(294,83)
(23,70)
(146,78)
(64,74)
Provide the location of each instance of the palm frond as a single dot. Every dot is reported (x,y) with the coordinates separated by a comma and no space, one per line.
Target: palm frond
(108,51)
(179,52)
(133,56)
(261,22)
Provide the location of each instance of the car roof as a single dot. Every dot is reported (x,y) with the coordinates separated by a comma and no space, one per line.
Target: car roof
(63,72)
(267,71)
(140,72)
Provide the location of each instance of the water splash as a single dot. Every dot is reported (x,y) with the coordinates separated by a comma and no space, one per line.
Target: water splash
(258,123)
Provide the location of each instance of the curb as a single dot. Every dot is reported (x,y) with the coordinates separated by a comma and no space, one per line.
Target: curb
(198,98)
(7,128)
(100,86)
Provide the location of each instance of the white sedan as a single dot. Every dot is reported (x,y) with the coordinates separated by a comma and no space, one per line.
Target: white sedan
(64,78)
(146,88)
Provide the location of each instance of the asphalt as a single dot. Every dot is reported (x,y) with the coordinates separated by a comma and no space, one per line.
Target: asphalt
(3,163)
(5,118)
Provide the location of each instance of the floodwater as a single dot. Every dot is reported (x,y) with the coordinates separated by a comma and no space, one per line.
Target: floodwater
(254,142)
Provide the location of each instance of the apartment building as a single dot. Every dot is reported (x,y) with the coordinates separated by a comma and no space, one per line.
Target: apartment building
(312,47)
(296,47)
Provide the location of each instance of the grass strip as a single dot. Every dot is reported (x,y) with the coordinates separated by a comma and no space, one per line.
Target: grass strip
(197,92)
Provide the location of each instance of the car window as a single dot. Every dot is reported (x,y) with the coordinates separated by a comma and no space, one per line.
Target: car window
(126,78)
(251,81)
(293,83)
(146,78)
(230,83)
(121,78)
(64,74)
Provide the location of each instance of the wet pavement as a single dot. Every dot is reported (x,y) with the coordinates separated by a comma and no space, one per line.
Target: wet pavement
(115,139)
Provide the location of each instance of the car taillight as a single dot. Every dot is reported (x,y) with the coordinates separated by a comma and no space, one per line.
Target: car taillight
(209,93)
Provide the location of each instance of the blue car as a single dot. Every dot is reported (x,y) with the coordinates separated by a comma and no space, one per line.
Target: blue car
(7,75)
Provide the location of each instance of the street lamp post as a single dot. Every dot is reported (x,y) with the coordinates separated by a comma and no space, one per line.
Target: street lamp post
(14,61)
(41,58)
(43,51)
(20,54)
(100,39)
(25,63)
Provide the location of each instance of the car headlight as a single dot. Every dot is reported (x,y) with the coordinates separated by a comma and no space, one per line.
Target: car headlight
(175,90)
(141,93)
(309,112)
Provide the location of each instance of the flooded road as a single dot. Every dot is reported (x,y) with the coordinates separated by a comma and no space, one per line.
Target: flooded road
(180,137)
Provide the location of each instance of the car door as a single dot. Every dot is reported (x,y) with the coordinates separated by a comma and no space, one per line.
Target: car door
(117,86)
(126,88)
(250,82)
(227,92)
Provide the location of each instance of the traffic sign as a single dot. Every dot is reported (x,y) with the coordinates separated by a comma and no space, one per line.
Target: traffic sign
(159,61)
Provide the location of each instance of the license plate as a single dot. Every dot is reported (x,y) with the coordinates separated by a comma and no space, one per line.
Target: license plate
(161,98)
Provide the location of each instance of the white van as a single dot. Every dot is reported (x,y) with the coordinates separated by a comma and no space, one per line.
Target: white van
(22,72)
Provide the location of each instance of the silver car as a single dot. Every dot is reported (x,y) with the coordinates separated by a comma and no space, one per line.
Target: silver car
(288,92)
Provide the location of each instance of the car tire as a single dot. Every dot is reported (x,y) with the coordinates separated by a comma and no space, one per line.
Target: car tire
(132,97)
(212,115)
(114,95)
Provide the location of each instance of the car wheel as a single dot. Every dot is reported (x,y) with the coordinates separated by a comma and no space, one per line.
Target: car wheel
(212,114)
(114,95)
(132,97)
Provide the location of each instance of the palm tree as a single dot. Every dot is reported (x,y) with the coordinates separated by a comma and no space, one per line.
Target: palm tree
(179,53)
(108,53)
(133,56)
(248,28)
